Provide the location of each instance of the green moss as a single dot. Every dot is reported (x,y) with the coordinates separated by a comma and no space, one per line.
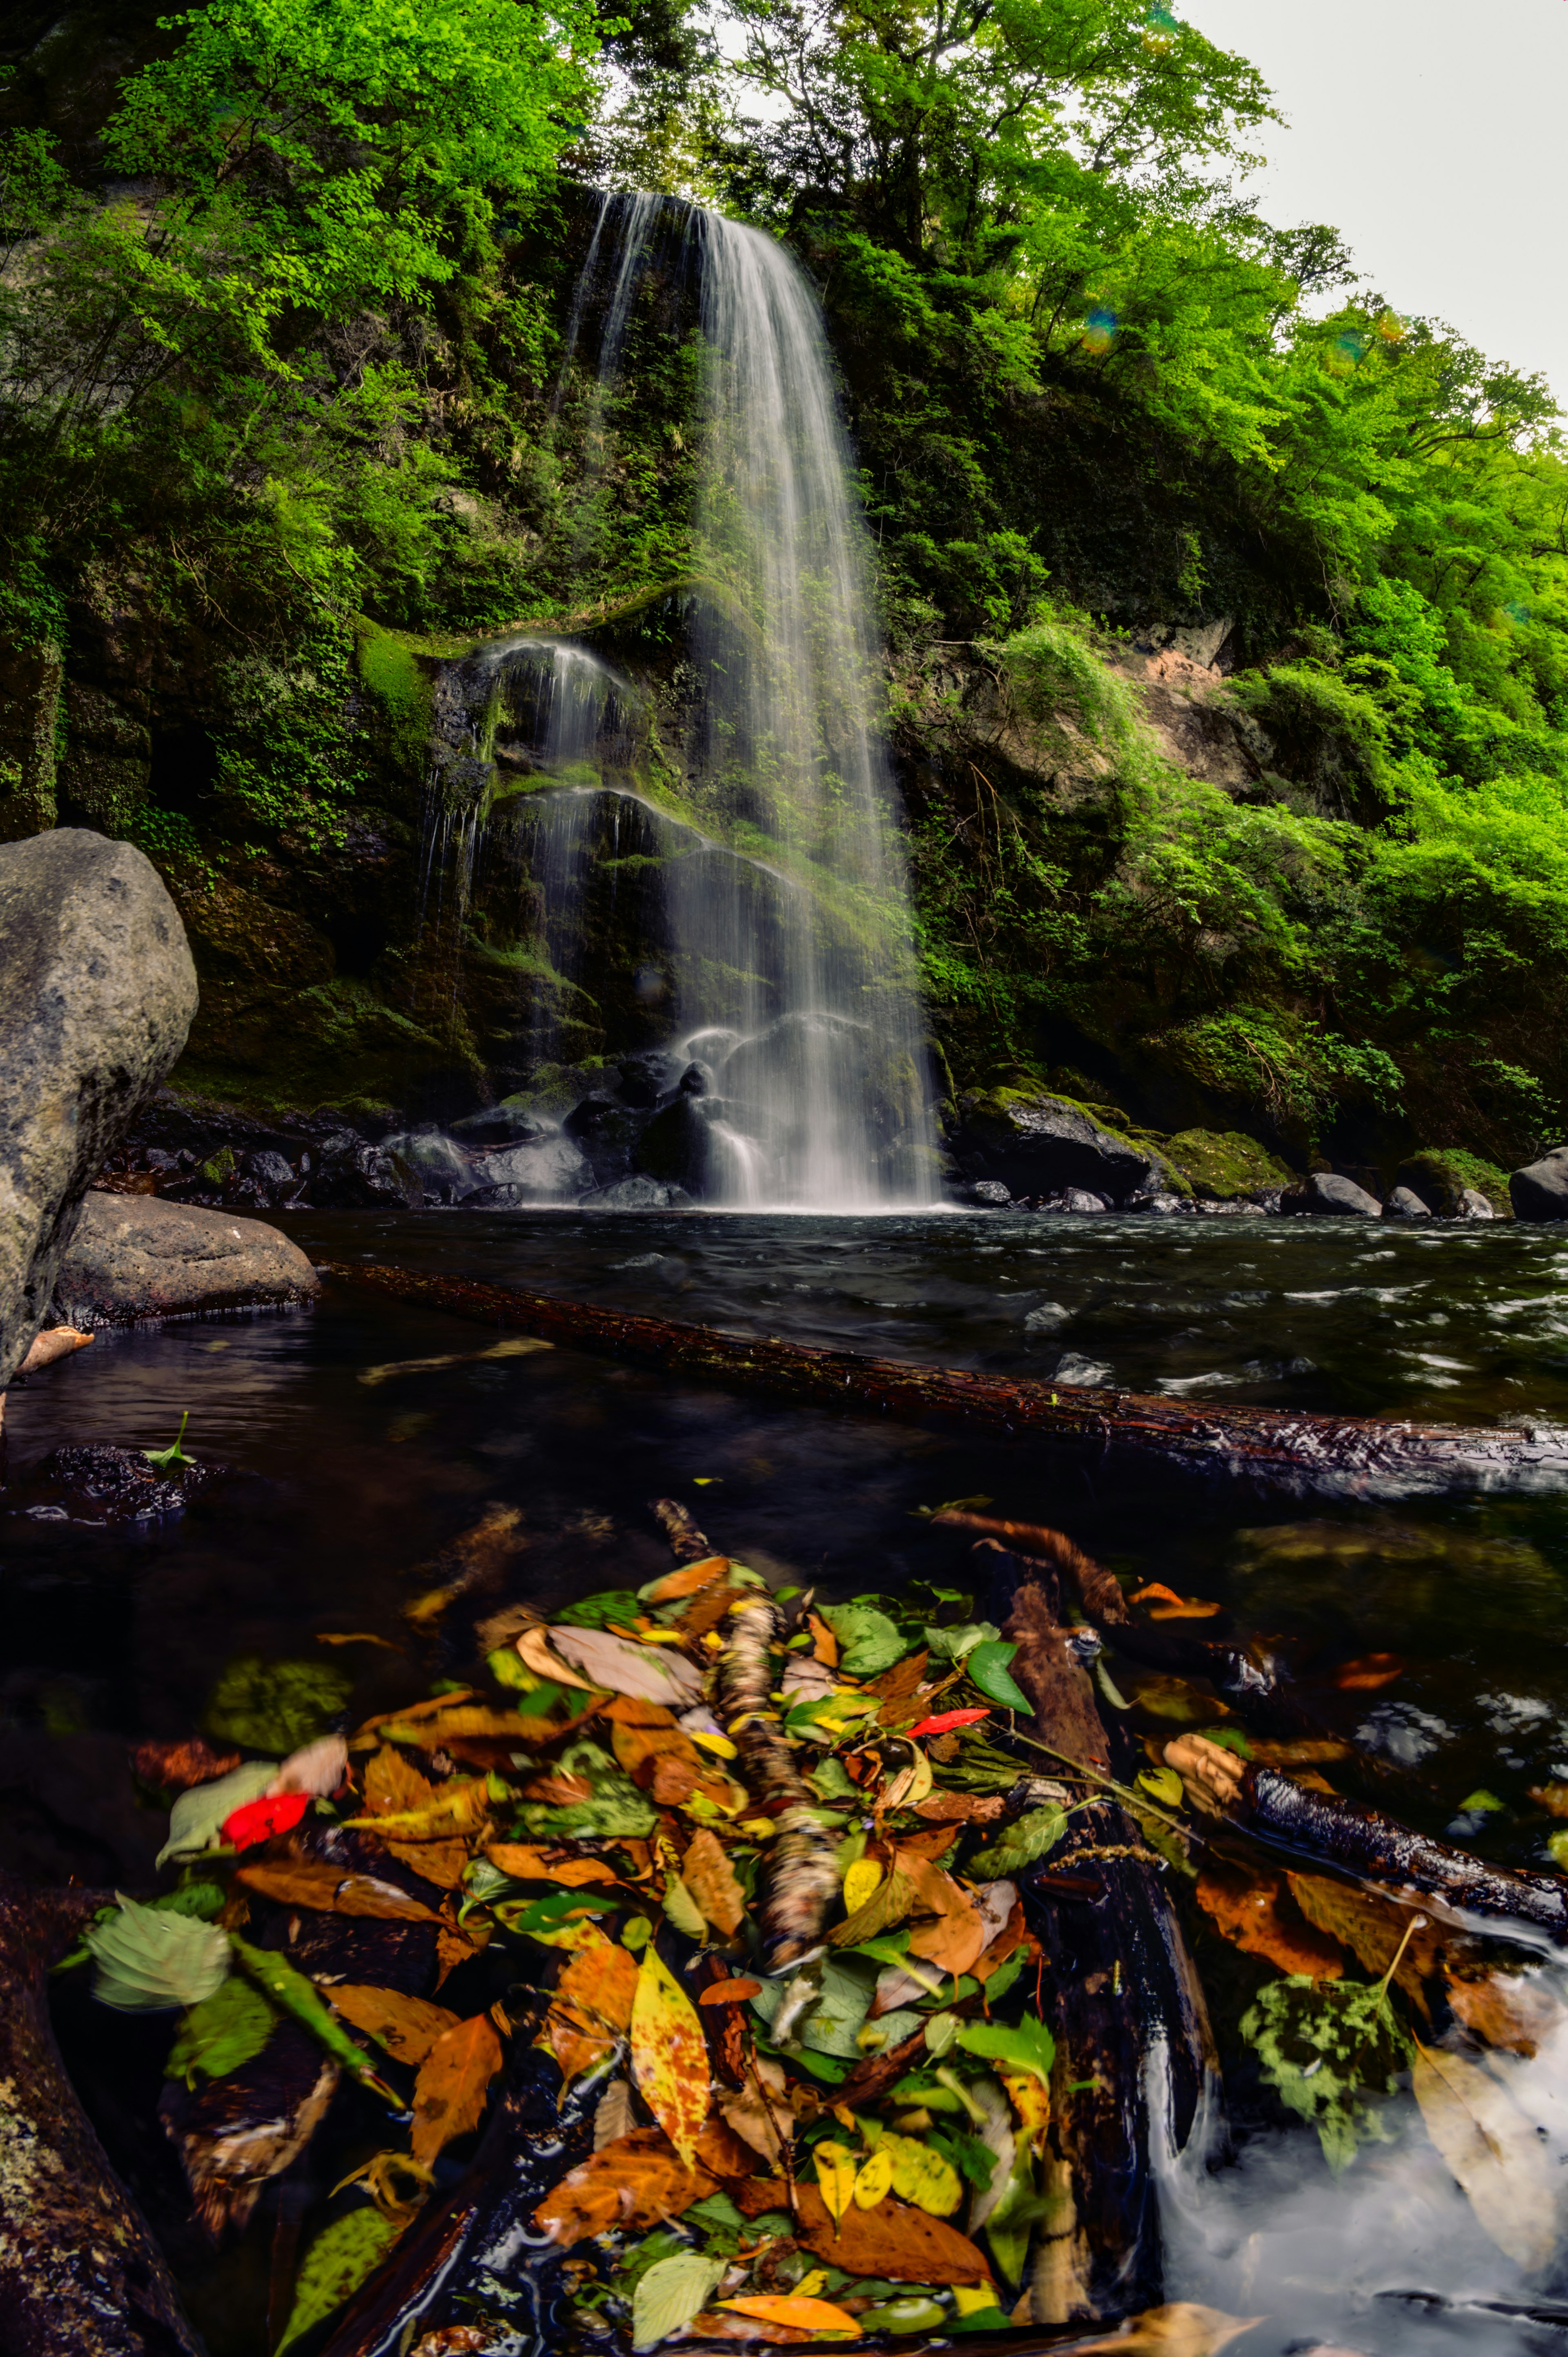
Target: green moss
(388,667)
(1223,1164)
(1439,1176)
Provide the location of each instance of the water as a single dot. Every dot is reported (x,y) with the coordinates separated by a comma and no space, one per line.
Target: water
(767,910)
(349,1488)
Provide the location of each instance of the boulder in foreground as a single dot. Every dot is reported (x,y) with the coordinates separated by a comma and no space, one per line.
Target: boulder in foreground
(133,1256)
(97,993)
(1539,1191)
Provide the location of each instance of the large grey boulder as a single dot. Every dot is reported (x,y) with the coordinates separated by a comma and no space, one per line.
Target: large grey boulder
(1037,1143)
(1331,1197)
(97,994)
(1539,1191)
(1404,1203)
(133,1256)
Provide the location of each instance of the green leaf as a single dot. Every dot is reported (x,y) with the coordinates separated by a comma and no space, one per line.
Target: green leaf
(1162,1785)
(227,2029)
(1322,2045)
(1025,2045)
(986,1667)
(1020,1843)
(669,2295)
(1482,1802)
(717,2220)
(197,1815)
(831,1782)
(953,1645)
(204,1900)
(1228,1738)
(149,1958)
(1007,1972)
(172,1460)
(342,2257)
(277,1706)
(868,1640)
(684,1912)
(616,1604)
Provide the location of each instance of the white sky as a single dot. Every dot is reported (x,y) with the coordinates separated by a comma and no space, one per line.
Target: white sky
(1432,133)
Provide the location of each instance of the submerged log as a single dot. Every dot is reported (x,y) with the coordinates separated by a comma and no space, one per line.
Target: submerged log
(80,2274)
(1277,1455)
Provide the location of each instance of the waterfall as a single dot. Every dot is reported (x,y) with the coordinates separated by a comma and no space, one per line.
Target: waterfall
(764,873)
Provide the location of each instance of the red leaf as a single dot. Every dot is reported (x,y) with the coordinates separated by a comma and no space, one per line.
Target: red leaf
(946,1720)
(259,1820)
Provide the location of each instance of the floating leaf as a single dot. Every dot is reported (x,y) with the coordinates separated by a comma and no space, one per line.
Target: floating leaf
(198,1814)
(1323,2046)
(310,1882)
(946,1721)
(807,2316)
(453,2081)
(1255,1915)
(1494,2149)
(1372,1670)
(276,1706)
(1164,1603)
(459,1806)
(343,2256)
(227,2029)
(148,1957)
(408,2027)
(1025,2045)
(986,1667)
(710,1879)
(669,2295)
(617,1667)
(1519,2011)
(1373,1928)
(1029,1838)
(668,2054)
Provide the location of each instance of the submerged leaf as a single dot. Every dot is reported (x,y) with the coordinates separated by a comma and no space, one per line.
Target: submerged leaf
(277,1706)
(226,2029)
(1323,2046)
(1254,1914)
(668,2054)
(148,1957)
(1494,2149)
(343,2255)
(453,2081)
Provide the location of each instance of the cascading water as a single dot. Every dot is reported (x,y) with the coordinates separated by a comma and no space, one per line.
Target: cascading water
(773,954)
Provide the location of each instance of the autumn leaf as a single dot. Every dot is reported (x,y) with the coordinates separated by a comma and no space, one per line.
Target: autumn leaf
(1517,2011)
(685,1581)
(454,2080)
(308,1882)
(807,2316)
(668,2054)
(528,1863)
(178,1767)
(760,2114)
(730,1992)
(874,2179)
(710,1878)
(408,2027)
(1371,1671)
(618,1666)
(836,2168)
(1182,2329)
(637,2180)
(888,1905)
(1495,2151)
(955,1937)
(893,2240)
(1255,1915)
(1164,1603)
(1373,1928)
(591,2007)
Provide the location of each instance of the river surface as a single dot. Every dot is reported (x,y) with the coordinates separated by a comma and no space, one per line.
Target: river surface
(367,1433)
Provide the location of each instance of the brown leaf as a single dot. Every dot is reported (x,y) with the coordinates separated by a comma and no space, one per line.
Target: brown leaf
(1513,2011)
(1164,1603)
(760,2114)
(1553,1798)
(824,1644)
(1180,2329)
(531,1862)
(1494,2149)
(1012,1934)
(871,2079)
(308,1882)
(1371,1671)
(710,1878)
(592,2006)
(1301,1751)
(454,1946)
(892,1899)
(961,1808)
(712,2324)
(957,1932)
(687,1580)
(433,1705)
(637,2179)
(893,2240)
(179,1767)
(1256,1914)
(391,1784)
(731,1992)
(934,1845)
(408,2027)
(637,1745)
(452,2083)
(1371,1927)
(896,1685)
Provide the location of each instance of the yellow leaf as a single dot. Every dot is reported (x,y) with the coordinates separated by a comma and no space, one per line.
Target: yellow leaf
(460,1809)
(710,1878)
(805,2315)
(683,1909)
(860,1882)
(836,2176)
(668,2054)
(1031,2099)
(810,2285)
(452,2082)
(911,1784)
(720,1743)
(875,2180)
(920,2175)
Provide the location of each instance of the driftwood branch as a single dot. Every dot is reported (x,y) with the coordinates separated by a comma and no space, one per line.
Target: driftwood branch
(1293,1456)
(80,2274)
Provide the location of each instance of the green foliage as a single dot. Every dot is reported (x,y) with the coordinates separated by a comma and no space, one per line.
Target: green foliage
(868,1640)
(276,1706)
(338,2262)
(1325,2047)
(149,1957)
(1030,1838)
(226,2029)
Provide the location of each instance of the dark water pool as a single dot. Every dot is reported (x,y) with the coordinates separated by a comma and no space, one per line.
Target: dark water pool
(367,1434)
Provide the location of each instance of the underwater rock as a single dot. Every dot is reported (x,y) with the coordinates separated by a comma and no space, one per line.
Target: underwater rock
(97,994)
(1327,1195)
(1539,1191)
(133,1256)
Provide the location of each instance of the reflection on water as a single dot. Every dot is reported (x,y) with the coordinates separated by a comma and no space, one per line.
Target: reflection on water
(366,1433)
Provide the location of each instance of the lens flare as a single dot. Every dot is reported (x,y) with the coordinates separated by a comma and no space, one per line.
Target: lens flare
(1099,331)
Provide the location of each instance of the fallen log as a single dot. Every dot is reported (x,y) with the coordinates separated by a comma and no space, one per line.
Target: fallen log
(1293,1456)
(80,2274)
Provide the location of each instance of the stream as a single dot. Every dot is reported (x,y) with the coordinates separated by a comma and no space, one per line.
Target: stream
(365,1435)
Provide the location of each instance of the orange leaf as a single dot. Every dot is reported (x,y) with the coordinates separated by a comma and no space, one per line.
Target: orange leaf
(710,1878)
(1373,1927)
(454,2080)
(636,2180)
(1256,1915)
(668,2054)
(605,1980)
(960,1808)
(687,1580)
(308,1882)
(824,1644)
(530,1864)
(1164,1603)
(729,1992)
(408,2027)
(1518,2012)
(806,2315)
(392,1786)
(959,1932)
(1371,1669)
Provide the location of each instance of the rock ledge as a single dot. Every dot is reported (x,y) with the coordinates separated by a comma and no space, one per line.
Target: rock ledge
(133,1257)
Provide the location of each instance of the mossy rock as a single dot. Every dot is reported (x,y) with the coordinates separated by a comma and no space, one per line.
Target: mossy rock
(1220,1165)
(1439,1174)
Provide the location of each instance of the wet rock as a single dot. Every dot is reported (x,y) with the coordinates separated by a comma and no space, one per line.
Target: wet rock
(606,1133)
(985,1195)
(1162,1207)
(550,1170)
(514,1122)
(1081,1198)
(638,1194)
(1037,1144)
(353,1177)
(1539,1191)
(270,1171)
(445,1172)
(677,1148)
(1405,1204)
(1084,1374)
(646,1079)
(1442,1175)
(135,1256)
(1049,1318)
(104,1488)
(1324,1193)
(1472,1205)
(97,994)
(1225,1165)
